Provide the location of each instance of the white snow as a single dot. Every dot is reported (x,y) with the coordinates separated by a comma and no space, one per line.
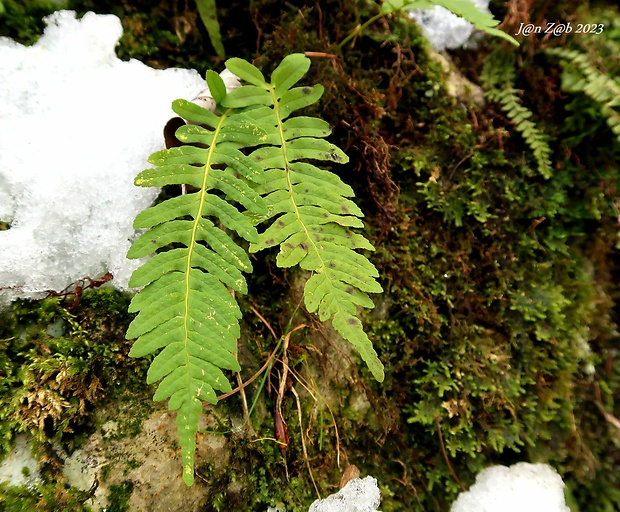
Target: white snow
(446,30)
(76,125)
(523,487)
(359,495)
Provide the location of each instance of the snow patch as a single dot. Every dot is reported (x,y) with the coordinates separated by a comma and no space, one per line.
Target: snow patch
(523,487)
(359,495)
(446,30)
(77,124)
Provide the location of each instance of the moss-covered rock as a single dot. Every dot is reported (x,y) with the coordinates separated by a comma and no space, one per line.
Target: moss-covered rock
(498,323)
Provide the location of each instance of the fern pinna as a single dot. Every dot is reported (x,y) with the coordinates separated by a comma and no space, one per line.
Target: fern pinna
(186,308)
(308,209)
(498,78)
(581,75)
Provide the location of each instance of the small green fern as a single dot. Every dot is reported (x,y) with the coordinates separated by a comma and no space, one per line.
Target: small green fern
(466,9)
(498,78)
(580,75)
(186,308)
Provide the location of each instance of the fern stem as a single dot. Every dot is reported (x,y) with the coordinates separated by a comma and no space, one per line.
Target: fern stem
(287,169)
(194,238)
(303,443)
(357,30)
(254,377)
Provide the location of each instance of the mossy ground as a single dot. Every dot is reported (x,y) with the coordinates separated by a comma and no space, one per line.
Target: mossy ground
(498,324)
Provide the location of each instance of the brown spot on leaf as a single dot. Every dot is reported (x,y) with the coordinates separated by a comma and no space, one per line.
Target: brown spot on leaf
(352,321)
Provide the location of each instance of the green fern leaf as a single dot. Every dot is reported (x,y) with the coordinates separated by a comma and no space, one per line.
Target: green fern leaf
(603,89)
(466,9)
(498,77)
(186,314)
(308,207)
(185,310)
(208,15)
(483,21)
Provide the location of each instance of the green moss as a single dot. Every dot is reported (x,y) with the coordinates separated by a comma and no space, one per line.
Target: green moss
(255,480)
(132,464)
(48,497)
(489,334)
(119,496)
(52,382)
(105,472)
(488,272)
(22,20)
(501,287)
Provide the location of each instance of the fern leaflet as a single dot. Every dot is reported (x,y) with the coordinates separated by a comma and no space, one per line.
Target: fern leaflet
(185,308)
(308,207)
(598,86)
(465,9)
(208,15)
(498,78)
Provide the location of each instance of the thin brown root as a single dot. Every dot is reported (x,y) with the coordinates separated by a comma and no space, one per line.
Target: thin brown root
(303,443)
(316,389)
(262,368)
(404,481)
(599,403)
(273,333)
(244,406)
(445,456)
(321,55)
(252,379)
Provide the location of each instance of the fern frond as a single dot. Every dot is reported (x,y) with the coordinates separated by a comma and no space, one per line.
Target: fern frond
(595,84)
(185,308)
(186,313)
(465,9)
(498,77)
(308,207)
